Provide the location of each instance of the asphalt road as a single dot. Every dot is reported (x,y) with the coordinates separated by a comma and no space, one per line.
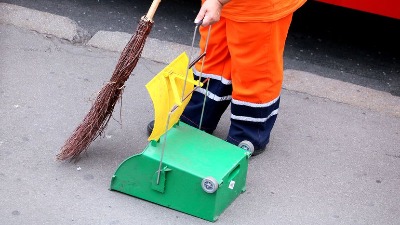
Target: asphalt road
(333,156)
(330,161)
(330,41)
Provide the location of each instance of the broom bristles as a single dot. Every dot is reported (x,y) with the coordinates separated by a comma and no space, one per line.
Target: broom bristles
(92,125)
(101,111)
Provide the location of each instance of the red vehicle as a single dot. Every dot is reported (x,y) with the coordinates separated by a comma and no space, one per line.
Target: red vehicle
(388,8)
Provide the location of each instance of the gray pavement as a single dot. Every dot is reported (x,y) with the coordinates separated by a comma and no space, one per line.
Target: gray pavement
(334,156)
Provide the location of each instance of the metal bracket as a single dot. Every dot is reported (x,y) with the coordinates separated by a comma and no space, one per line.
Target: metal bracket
(159,179)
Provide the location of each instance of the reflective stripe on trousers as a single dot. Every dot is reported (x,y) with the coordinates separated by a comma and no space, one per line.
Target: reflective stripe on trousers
(249,121)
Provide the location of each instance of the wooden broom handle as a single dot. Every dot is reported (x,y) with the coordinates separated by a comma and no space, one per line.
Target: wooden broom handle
(152,10)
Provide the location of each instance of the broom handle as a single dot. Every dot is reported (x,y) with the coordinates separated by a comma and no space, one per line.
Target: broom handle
(152,10)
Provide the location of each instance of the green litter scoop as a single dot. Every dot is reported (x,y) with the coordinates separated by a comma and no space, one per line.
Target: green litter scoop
(184,168)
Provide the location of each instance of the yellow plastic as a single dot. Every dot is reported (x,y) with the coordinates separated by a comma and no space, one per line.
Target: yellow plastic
(165,90)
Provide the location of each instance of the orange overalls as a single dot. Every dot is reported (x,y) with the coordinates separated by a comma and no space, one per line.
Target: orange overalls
(245,63)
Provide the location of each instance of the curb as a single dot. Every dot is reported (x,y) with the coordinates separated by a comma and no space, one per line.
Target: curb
(342,92)
(164,52)
(154,49)
(42,22)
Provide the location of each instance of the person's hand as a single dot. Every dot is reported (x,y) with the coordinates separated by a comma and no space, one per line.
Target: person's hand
(210,12)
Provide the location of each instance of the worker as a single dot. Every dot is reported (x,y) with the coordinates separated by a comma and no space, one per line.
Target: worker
(244,62)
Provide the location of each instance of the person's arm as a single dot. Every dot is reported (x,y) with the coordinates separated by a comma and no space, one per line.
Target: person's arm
(210,11)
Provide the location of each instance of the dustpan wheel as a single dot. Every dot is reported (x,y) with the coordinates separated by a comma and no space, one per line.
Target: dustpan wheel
(209,184)
(246,145)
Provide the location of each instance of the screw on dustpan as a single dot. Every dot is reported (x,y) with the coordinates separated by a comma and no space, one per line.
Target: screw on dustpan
(247,145)
(209,185)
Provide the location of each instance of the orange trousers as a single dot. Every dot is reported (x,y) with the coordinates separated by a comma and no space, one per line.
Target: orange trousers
(250,54)
(244,62)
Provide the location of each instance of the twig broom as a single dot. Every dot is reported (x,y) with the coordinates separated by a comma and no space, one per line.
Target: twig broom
(101,111)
